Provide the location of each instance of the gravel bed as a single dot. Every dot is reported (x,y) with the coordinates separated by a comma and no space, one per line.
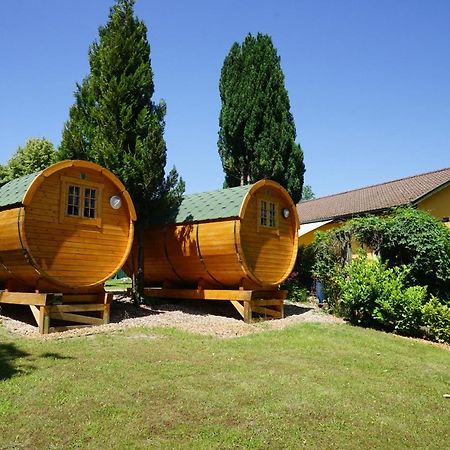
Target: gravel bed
(218,319)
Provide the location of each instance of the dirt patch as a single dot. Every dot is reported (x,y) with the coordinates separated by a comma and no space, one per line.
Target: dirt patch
(218,319)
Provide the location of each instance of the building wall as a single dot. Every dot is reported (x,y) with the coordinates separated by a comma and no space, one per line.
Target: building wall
(438,204)
(308,238)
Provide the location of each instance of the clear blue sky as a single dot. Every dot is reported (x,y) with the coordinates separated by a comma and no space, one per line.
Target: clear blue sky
(369,81)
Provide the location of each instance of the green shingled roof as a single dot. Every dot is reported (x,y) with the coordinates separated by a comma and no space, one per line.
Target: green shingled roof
(12,193)
(220,204)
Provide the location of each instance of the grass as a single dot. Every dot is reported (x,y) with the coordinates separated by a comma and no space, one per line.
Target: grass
(118,283)
(309,386)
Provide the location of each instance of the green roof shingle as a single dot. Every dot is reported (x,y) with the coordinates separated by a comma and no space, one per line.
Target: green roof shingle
(213,205)
(12,192)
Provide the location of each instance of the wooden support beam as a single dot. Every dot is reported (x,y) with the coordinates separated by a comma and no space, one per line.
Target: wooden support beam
(81,298)
(70,317)
(199,294)
(273,302)
(68,327)
(44,320)
(106,313)
(267,312)
(35,311)
(268,295)
(238,306)
(23,298)
(247,312)
(75,308)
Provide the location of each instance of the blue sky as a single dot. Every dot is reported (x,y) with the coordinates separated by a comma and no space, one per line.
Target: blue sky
(369,81)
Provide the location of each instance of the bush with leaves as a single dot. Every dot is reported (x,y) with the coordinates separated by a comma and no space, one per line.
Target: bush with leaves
(436,318)
(373,294)
(296,292)
(329,261)
(409,237)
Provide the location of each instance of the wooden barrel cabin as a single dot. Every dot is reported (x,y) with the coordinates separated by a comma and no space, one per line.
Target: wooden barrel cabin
(239,238)
(66,229)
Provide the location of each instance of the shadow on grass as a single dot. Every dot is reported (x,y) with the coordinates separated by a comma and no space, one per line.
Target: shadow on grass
(52,355)
(14,361)
(9,366)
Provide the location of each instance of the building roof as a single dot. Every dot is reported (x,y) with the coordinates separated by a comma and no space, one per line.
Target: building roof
(213,205)
(13,192)
(379,197)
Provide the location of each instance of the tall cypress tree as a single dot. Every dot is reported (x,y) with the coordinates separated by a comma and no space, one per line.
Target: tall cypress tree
(115,123)
(257,132)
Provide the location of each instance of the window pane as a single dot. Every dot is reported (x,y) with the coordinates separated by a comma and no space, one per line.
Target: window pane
(73,201)
(89,203)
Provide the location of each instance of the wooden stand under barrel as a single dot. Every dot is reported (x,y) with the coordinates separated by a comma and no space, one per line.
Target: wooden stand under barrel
(63,307)
(269,303)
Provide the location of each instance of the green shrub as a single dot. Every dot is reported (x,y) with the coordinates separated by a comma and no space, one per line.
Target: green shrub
(399,309)
(296,292)
(436,317)
(360,288)
(304,265)
(328,266)
(376,295)
(409,237)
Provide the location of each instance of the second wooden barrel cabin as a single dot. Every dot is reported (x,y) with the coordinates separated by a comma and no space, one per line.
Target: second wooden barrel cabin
(242,237)
(66,229)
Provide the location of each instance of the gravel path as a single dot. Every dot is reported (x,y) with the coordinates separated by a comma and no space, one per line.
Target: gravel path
(208,318)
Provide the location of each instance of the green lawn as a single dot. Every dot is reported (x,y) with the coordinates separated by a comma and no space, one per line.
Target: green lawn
(309,386)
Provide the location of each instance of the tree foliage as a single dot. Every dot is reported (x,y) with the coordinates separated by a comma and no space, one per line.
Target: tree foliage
(307,193)
(114,121)
(414,238)
(35,155)
(257,131)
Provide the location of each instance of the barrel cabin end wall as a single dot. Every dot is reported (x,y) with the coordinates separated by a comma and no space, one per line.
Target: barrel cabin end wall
(235,244)
(64,231)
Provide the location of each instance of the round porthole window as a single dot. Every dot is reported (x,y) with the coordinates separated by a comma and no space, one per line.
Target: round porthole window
(285,213)
(115,202)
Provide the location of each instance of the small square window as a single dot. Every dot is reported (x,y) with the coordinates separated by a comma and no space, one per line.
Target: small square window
(77,196)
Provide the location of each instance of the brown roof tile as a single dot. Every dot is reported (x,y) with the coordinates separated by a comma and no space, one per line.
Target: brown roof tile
(372,198)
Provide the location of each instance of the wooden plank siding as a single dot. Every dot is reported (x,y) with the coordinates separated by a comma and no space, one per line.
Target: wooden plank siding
(226,253)
(42,248)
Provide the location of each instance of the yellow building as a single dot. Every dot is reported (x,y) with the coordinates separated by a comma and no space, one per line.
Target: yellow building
(428,191)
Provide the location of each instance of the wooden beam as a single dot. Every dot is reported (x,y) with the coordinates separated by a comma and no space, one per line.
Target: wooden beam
(75,308)
(81,298)
(70,317)
(272,302)
(68,327)
(44,320)
(247,312)
(35,311)
(200,294)
(23,298)
(238,306)
(269,295)
(267,312)
(106,313)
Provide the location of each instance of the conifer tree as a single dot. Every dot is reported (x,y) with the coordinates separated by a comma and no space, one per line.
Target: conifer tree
(115,123)
(257,132)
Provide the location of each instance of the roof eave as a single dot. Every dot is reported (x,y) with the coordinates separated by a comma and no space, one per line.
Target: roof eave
(427,195)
